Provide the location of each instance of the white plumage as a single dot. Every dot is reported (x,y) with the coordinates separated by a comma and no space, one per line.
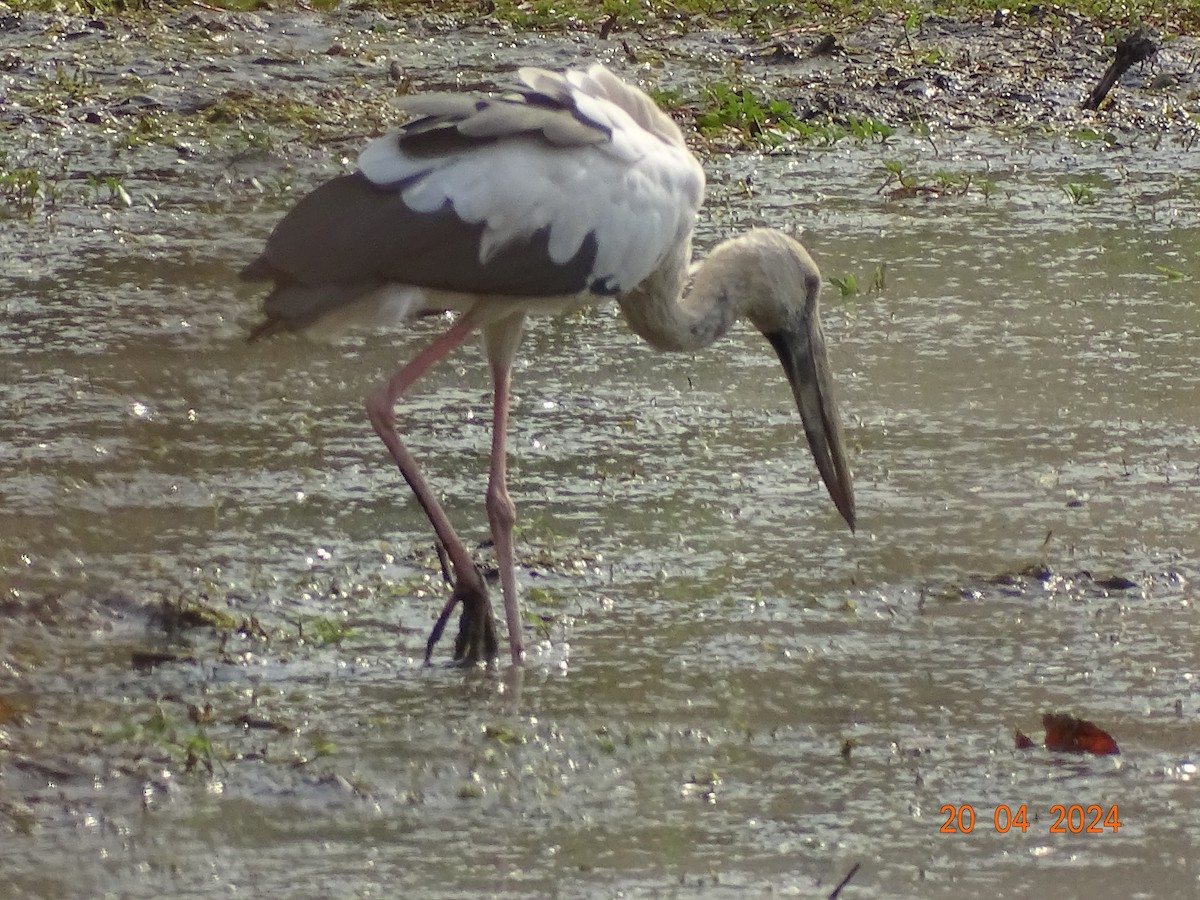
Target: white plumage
(601,173)
(571,189)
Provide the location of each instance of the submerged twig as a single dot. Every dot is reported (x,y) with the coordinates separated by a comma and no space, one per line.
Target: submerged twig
(1131,49)
(837,891)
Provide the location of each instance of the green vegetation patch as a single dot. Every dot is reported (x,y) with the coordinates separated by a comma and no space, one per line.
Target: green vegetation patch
(739,114)
(757,17)
(265,109)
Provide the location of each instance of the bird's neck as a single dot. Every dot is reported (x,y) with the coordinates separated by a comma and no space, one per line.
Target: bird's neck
(658,312)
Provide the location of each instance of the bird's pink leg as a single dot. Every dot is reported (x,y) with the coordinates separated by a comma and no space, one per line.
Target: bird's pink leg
(469,588)
(502,513)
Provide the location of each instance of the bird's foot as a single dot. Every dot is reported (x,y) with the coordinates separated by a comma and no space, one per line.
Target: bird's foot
(476,641)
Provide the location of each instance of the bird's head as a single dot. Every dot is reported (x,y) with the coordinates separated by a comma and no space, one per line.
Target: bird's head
(780,292)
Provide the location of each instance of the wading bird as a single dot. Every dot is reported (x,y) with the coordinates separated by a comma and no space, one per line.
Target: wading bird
(572,189)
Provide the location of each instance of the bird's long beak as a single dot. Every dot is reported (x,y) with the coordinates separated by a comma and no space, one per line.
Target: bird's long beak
(801,349)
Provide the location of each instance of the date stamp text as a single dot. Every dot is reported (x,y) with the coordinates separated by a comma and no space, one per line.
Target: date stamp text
(1073,819)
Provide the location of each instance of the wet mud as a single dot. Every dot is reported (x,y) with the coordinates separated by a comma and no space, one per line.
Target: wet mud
(215,594)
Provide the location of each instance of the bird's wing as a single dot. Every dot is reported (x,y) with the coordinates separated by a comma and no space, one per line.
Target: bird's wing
(574,183)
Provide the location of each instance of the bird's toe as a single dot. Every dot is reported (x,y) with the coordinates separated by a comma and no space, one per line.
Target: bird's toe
(476,641)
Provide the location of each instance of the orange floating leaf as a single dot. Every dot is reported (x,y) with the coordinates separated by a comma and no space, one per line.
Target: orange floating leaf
(1067,734)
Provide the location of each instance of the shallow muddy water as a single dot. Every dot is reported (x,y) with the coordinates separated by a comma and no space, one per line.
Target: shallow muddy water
(729,694)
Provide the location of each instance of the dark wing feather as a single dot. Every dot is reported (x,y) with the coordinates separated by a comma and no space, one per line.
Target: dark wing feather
(349,237)
(451,123)
(575,183)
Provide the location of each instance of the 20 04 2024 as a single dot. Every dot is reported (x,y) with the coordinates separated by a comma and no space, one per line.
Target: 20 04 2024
(1073,819)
